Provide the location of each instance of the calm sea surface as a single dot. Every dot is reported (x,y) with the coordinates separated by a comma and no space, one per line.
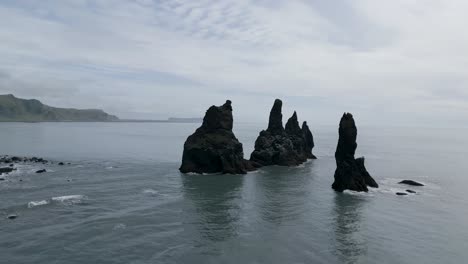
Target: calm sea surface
(122,199)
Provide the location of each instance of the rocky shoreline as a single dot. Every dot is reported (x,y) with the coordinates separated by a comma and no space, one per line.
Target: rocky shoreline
(9,164)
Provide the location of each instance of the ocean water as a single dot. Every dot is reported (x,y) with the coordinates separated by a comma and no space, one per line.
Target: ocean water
(122,199)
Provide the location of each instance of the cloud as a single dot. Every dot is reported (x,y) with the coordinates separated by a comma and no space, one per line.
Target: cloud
(175,58)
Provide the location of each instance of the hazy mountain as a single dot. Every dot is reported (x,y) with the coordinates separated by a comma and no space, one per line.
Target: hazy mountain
(17,109)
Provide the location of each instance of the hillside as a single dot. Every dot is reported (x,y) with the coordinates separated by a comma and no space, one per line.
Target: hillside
(13,109)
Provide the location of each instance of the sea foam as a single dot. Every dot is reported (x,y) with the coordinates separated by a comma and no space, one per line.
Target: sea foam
(37,203)
(69,199)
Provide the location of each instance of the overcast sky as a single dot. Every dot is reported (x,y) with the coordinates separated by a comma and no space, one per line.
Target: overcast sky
(384,61)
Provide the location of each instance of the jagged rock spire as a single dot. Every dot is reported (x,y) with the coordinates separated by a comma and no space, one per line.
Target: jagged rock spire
(308,140)
(292,126)
(275,124)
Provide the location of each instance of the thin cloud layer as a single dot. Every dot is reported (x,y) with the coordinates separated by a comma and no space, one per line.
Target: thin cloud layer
(154,59)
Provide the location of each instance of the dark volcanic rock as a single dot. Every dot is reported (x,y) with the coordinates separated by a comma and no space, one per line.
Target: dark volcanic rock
(410,191)
(275,123)
(214,147)
(309,141)
(61,163)
(12,216)
(350,173)
(410,182)
(401,193)
(6,170)
(41,171)
(289,146)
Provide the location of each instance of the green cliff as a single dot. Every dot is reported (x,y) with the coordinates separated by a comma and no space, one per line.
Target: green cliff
(14,109)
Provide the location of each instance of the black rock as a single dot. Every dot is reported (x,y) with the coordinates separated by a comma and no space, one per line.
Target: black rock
(350,173)
(410,182)
(309,140)
(12,216)
(214,147)
(275,123)
(41,171)
(6,170)
(401,193)
(12,165)
(289,146)
(61,163)
(410,191)
(2,179)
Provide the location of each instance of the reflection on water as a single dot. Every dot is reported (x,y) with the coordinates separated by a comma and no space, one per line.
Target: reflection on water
(281,194)
(213,205)
(350,244)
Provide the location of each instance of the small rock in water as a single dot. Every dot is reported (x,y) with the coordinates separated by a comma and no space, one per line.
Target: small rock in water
(2,179)
(6,170)
(401,193)
(12,165)
(12,216)
(41,171)
(410,182)
(61,163)
(410,191)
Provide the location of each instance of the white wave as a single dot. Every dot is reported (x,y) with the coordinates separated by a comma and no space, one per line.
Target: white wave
(150,191)
(37,203)
(69,199)
(120,226)
(358,193)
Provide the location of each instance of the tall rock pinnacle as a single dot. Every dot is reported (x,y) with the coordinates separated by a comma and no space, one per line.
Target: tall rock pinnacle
(350,173)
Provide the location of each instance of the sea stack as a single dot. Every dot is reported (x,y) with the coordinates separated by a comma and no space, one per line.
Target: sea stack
(214,148)
(350,174)
(284,146)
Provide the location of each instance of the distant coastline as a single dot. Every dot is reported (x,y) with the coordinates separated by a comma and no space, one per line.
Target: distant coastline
(169,120)
(18,110)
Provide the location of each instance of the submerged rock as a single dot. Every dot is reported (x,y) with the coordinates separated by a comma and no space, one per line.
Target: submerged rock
(350,173)
(401,193)
(214,147)
(41,171)
(12,216)
(410,191)
(412,183)
(285,146)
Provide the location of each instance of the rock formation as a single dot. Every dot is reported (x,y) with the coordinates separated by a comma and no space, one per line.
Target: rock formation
(411,182)
(350,173)
(214,147)
(309,141)
(284,146)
